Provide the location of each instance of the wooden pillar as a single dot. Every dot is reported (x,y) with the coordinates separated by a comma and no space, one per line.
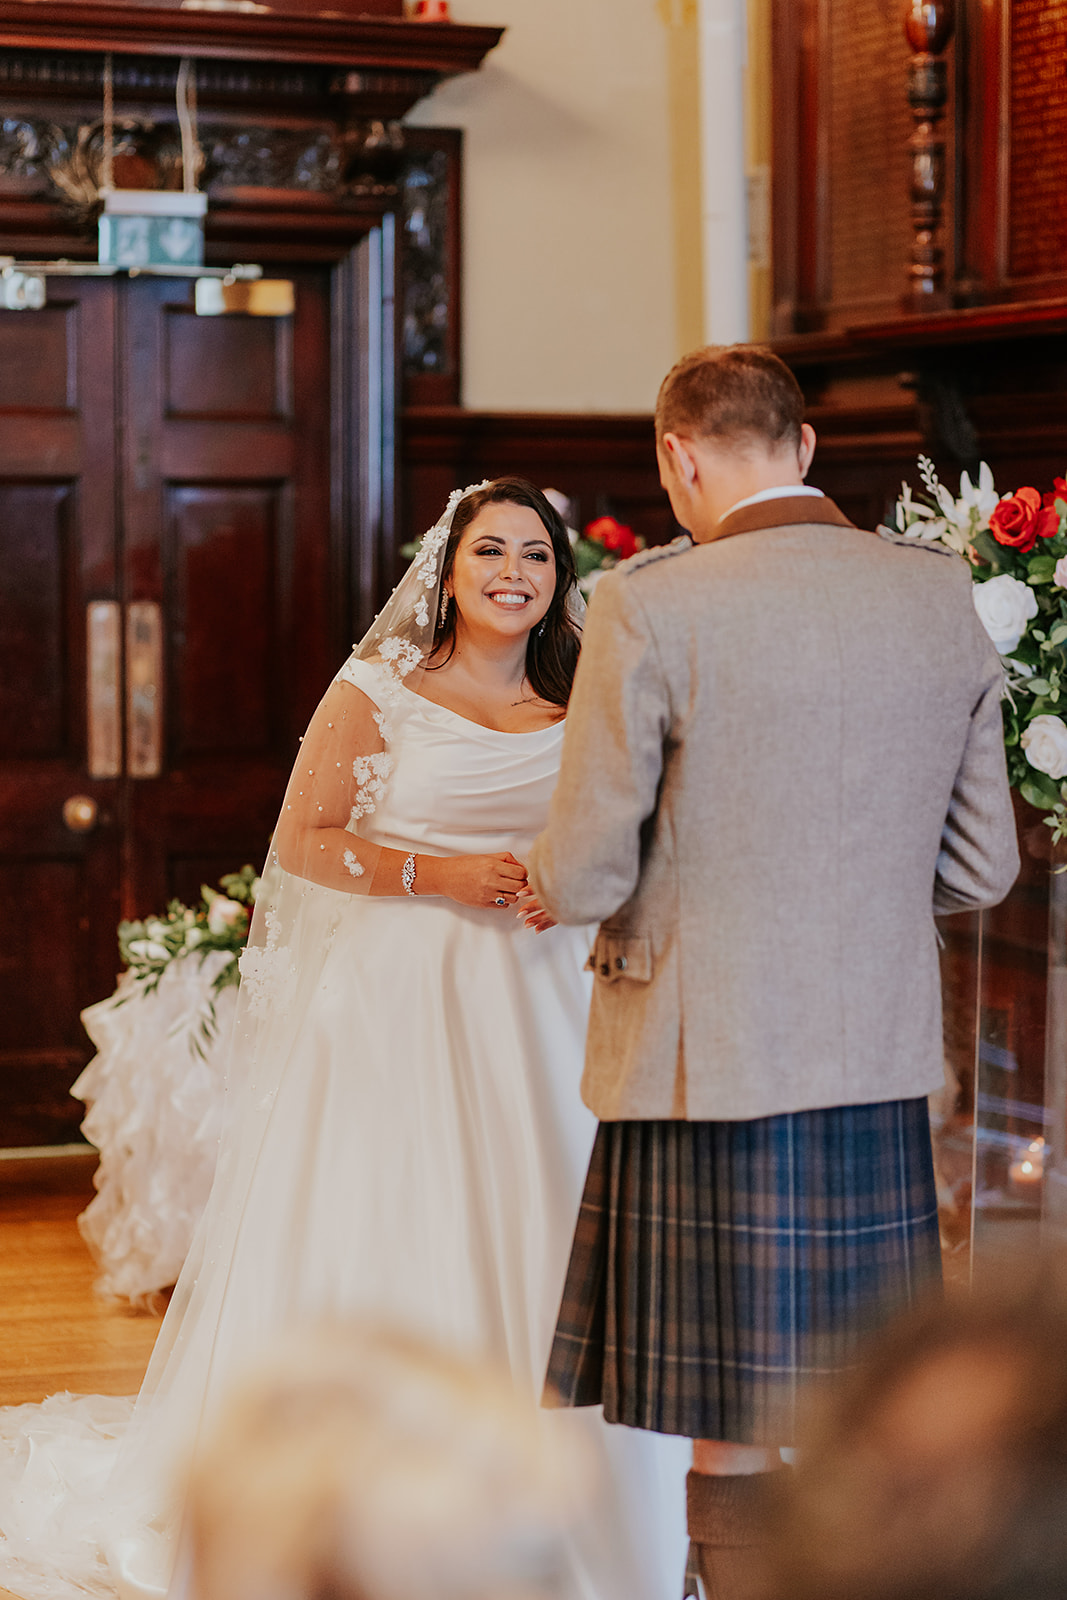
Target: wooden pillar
(929,26)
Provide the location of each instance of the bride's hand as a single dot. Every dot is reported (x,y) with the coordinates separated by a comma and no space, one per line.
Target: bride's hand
(530,911)
(476,880)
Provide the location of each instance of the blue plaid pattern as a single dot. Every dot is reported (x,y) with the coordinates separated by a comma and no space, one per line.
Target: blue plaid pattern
(719,1267)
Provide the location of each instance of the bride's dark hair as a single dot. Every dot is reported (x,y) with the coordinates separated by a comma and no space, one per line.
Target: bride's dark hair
(552,647)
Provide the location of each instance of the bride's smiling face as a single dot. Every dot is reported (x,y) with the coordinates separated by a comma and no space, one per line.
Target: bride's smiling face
(504,573)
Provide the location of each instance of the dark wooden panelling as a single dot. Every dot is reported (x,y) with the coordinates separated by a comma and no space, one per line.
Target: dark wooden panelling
(227,367)
(223,618)
(846,159)
(35,620)
(605,464)
(38,370)
(48,960)
(865,63)
(1038,111)
(38,971)
(962,387)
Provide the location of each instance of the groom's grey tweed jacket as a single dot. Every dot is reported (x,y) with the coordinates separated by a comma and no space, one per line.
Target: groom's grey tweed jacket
(783,755)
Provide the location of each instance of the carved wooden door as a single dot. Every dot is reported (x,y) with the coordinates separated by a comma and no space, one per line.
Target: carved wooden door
(226,478)
(165,495)
(59,889)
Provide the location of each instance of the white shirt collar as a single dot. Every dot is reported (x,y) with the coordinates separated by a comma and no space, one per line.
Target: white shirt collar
(784,492)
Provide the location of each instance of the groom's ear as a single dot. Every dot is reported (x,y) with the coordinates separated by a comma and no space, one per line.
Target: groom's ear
(806,448)
(677,453)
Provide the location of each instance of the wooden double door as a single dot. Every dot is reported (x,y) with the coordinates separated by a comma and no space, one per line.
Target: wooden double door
(174,586)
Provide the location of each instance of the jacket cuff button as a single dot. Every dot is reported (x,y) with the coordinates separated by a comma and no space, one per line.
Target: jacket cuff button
(604,969)
(620,963)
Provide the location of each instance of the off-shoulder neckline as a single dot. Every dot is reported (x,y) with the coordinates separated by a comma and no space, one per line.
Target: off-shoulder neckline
(483,727)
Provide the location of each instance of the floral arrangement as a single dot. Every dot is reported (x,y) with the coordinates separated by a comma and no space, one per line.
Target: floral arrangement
(219,922)
(604,543)
(1016,545)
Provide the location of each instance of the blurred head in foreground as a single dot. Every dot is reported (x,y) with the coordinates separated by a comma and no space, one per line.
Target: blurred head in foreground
(360,1464)
(939,1471)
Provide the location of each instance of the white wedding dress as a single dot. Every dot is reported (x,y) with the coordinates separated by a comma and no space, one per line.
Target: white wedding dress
(419,1159)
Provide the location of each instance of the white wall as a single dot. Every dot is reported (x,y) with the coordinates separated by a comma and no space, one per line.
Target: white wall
(572,227)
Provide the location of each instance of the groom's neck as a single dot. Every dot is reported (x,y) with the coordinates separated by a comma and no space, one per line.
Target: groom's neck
(728,476)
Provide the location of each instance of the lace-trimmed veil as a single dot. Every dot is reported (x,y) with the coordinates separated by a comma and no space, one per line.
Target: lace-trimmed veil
(340,774)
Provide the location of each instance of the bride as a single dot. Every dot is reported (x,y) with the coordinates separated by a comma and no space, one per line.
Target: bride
(404,1136)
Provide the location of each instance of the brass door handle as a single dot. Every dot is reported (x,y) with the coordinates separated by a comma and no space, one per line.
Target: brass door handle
(80,813)
(144,689)
(104,710)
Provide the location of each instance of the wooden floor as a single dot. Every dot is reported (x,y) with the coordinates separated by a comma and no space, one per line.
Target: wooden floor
(54,1333)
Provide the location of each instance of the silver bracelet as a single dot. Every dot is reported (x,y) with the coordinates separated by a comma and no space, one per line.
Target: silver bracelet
(407,874)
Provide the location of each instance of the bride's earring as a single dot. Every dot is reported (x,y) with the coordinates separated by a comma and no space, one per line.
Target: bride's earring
(541,630)
(442,615)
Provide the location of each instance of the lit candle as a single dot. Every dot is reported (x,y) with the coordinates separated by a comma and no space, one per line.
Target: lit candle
(1028,1171)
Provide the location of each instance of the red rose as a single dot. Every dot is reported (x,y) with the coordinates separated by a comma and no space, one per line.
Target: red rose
(616,537)
(1020,520)
(1057,492)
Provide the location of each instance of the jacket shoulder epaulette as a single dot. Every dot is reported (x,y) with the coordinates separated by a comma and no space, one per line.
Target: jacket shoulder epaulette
(645,558)
(891,536)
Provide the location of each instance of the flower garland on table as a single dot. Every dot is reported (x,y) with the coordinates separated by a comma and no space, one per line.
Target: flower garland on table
(219,922)
(1016,545)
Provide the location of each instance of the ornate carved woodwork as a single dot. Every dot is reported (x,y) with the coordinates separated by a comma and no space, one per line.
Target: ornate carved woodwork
(325,146)
(928,26)
(920,157)
(430,266)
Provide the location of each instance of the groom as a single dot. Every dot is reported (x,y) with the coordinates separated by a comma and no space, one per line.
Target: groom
(783,756)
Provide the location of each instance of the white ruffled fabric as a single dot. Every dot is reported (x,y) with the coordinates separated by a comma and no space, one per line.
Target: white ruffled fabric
(155,1097)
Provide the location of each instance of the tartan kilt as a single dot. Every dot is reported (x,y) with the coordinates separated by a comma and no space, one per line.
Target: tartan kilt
(719,1267)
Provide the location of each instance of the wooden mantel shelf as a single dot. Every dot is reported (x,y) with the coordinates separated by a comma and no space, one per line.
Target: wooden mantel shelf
(932,329)
(377,43)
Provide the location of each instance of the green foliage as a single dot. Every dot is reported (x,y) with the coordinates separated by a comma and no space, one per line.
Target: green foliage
(219,923)
(589,557)
(988,550)
(1036,670)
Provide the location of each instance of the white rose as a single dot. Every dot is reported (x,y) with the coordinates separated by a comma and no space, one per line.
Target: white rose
(1005,606)
(222,914)
(1059,577)
(1045,743)
(148,950)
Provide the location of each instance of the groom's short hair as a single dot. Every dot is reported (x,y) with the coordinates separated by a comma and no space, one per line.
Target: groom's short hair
(738,393)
